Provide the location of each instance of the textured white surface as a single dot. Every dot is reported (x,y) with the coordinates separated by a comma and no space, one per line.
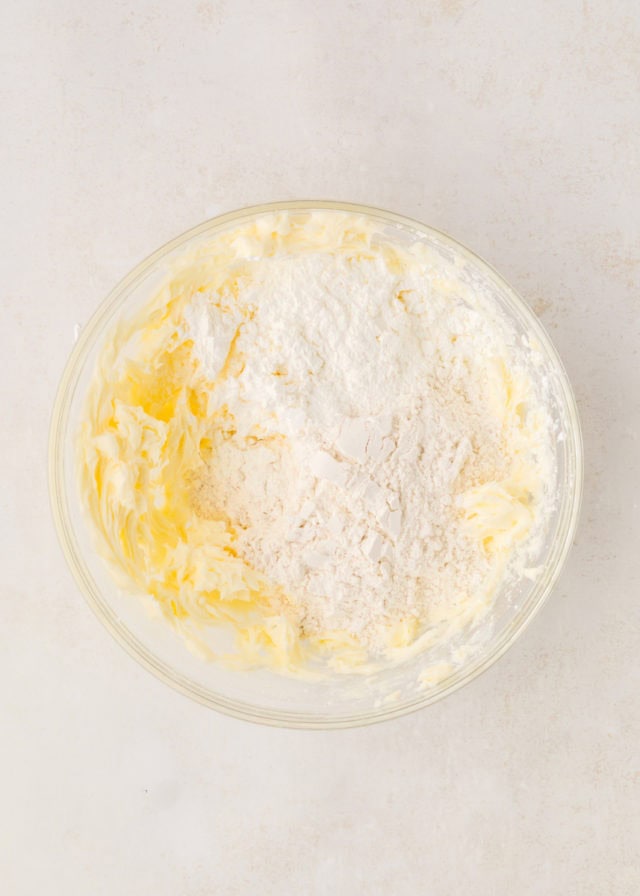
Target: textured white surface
(513,126)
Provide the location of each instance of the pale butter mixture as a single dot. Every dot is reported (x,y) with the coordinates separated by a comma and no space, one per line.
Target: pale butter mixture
(317,440)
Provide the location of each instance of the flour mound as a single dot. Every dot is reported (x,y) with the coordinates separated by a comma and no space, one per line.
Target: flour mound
(360,406)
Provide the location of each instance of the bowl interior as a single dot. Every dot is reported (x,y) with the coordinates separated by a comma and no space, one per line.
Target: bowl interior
(265,696)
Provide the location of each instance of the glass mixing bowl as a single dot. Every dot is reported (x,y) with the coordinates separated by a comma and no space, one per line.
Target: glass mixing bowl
(261,695)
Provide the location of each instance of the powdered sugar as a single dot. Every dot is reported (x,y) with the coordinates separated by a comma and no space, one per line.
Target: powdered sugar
(362,406)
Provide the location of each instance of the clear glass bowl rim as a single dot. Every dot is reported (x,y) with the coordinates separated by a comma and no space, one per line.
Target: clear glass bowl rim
(59,427)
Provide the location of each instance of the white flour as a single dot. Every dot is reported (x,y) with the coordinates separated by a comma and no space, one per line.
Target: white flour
(358,406)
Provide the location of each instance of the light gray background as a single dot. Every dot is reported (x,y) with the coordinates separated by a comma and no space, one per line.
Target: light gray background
(515,127)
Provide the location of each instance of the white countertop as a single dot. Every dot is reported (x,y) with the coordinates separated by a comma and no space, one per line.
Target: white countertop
(517,132)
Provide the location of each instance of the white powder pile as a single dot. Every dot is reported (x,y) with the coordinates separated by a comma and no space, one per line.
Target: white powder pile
(356,407)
